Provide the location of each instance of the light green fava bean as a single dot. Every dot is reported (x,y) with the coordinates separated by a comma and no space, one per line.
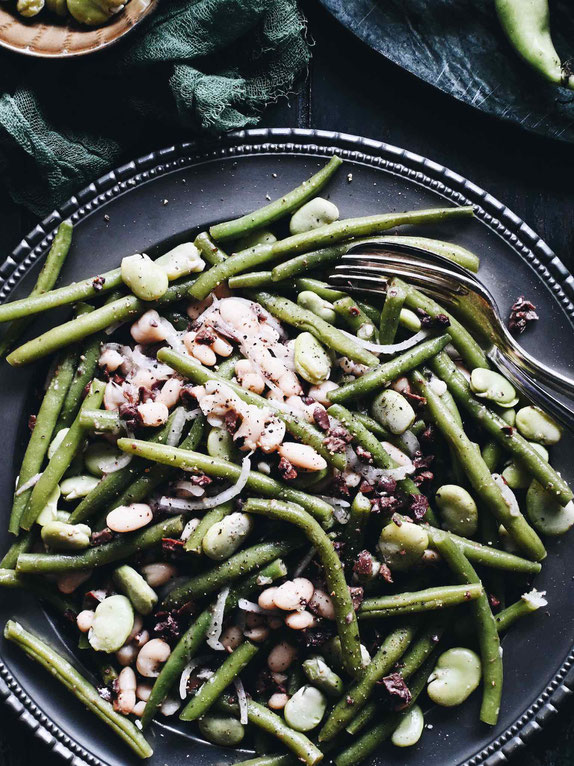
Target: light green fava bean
(144,277)
(312,215)
(537,426)
(321,675)
(62,516)
(456,675)
(50,511)
(306,708)
(56,441)
(458,510)
(402,546)
(409,320)
(112,624)
(99,455)
(393,411)
(312,362)
(224,538)
(313,302)
(410,729)
(221,730)
(493,386)
(133,585)
(545,513)
(29,8)
(182,260)
(517,477)
(77,486)
(220,444)
(60,536)
(261,237)
(334,654)
(508,415)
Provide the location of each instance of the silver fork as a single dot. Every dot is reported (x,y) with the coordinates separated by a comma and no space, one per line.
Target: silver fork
(366,268)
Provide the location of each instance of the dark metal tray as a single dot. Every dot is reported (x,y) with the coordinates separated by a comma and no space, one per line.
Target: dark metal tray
(172,193)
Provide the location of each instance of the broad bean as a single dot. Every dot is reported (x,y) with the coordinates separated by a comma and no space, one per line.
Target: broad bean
(458,510)
(456,675)
(493,386)
(77,486)
(402,546)
(259,237)
(306,708)
(134,586)
(224,538)
(321,676)
(312,362)
(50,511)
(99,456)
(545,512)
(144,277)
(393,411)
(537,426)
(312,215)
(60,536)
(319,306)
(518,477)
(222,730)
(112,624)
(410,729)
(220,444)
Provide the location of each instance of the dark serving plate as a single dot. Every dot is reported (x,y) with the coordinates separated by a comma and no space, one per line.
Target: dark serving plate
(458,46)
(165,197)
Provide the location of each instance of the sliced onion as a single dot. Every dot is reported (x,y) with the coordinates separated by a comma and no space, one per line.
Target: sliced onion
(193,414)
(214,500)
(28,484)
(216,624)
(110,330)
(242,701)
(251,606)
(507,494)
(116,464)
(188,486)
(411,442)
(392,348)
(187,671)
(339,507)
(177,425)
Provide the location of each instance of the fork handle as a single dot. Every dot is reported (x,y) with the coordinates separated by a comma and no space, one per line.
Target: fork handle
(527,385)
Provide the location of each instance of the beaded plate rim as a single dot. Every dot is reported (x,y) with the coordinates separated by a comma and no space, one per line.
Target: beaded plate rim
(288,141)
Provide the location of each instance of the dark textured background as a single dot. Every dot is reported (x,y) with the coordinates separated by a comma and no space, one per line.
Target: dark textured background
(351,89)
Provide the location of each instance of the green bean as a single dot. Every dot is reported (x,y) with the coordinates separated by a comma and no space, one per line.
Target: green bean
(391,650)
(325,236)
(77,291)
(87,694)
(356,319)
(306,262)
(345,617)
(380,456)
(232,569)
(485,625)
(251,279)
(213,516)
(304,320)
(302,430)
(275,210)
(391,312)
(319,674)
(60,461)
(419,601)
(189,643)
(450,250)
(388,371)
(512,613)
(76,329)
(101,420)
(222,469)
(42,434)
(261,716)
(121,547)
(269,760)
(355,529)
(462,340)
(113,484)
(498,429)
(85,372)
(229,669)
(322,289)
(21,545)
(480,478)
(373,426)
(44,590)
(46,280)
(362,747)
(210,251)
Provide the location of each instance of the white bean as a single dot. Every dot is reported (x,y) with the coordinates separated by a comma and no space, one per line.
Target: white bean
(138,709)
(143,690)
(170,391)
(231,637)
(265,600)
(151,657)
(258,634)
(221,347)
(138,625)
(153,413)
(158,573)
(84,620)
(149,328)
(300,620)
(204,354)
(302,456)
(322,604)
(281,657)
(278,701)
(128,518)
(289,384)
(294,594)
(253,382)
(69,582)
(319,393)
(127,654)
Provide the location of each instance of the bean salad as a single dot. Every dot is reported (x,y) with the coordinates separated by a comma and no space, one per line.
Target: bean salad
(270,508)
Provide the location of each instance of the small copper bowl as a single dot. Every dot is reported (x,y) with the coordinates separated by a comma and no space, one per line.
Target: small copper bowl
(49,36)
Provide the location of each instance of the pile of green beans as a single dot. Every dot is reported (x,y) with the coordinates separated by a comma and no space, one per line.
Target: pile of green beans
(294,495)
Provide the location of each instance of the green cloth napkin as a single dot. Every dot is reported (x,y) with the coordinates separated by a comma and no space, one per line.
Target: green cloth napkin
(192,67)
